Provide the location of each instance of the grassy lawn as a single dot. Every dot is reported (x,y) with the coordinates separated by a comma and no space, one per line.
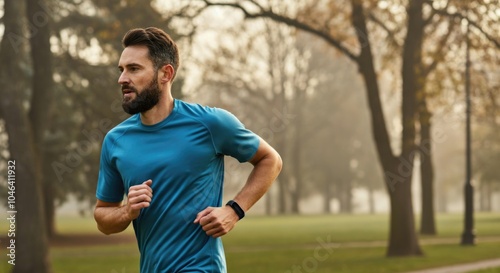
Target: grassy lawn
(354,260)
(335,243)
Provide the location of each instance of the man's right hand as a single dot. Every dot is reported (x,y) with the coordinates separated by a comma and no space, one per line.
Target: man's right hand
(139,196)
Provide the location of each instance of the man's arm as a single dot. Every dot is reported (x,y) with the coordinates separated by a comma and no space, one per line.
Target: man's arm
(267,165)
(115,217)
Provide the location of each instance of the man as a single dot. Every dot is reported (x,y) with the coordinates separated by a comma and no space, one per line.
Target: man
(168,159)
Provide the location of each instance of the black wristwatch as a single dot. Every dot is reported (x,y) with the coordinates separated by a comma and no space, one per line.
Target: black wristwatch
(239,211)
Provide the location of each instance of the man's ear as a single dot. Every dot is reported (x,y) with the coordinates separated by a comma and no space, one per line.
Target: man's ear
(168,73)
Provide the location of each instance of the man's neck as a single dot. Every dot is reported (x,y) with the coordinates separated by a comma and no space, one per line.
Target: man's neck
(159,112)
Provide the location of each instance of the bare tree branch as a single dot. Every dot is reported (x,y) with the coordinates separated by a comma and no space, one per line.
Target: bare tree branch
(263,13)
(474,24)
(257,4)
(390,32)
(439,51)
(433,12)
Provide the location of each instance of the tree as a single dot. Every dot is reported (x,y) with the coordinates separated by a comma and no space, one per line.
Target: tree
(398,169)
(319,20)
(442,37)
(24,127)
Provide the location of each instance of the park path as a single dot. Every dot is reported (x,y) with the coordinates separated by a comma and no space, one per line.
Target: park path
(463,268)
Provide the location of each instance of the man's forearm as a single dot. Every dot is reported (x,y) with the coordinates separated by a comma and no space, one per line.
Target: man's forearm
(260,179)
(267,164)
(111,219)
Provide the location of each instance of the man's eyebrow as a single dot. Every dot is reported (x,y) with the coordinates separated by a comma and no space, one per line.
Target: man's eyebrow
(130,65)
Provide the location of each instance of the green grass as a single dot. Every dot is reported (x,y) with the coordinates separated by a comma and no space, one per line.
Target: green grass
(287,243)
(121,258)
(356,260)
(286,230)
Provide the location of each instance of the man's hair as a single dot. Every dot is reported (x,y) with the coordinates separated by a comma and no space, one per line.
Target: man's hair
(162,49)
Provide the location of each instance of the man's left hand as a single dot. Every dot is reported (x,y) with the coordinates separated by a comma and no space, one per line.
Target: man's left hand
(217,222)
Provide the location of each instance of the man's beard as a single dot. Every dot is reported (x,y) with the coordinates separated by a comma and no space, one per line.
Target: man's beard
(144,100)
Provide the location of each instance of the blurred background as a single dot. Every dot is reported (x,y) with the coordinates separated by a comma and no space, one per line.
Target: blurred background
(364,100)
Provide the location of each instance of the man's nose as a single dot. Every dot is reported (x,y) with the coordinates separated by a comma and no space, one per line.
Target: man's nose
(123,79)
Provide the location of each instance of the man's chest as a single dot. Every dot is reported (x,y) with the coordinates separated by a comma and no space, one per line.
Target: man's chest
(169,156)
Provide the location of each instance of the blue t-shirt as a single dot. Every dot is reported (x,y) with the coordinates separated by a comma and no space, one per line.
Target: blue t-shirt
(184,156)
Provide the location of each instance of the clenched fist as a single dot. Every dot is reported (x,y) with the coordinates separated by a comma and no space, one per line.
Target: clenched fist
(139,196)
(217,222)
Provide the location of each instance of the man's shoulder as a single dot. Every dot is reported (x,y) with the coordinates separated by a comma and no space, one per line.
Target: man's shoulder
(203,113)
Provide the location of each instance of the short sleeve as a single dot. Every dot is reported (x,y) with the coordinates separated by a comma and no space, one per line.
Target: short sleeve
(230,137)
(109,184)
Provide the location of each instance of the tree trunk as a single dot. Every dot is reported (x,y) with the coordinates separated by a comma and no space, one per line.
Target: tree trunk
(371,200)
(50,210)
(31,245)
(284,177)
(32,253)
(296,152)
(282,146)
(345,196)
(404,242)
(295,197)
(485,191)
(442,200)
(403,239)
(41,98)
(327,196)
(427,220)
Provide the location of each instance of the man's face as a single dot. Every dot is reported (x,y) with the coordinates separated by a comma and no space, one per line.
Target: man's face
(139,80)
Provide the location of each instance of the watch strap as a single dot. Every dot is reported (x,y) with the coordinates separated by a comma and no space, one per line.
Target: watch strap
(239,211)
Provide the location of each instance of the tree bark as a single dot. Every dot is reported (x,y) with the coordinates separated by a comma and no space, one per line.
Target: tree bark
(403,240)
(32,253)
(42,86)
(50,210)
(427,220)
